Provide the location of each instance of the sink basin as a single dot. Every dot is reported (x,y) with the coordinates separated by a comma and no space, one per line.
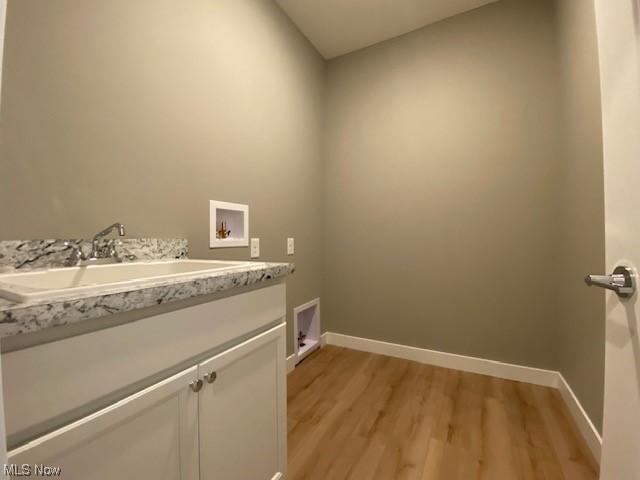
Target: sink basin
(62,282)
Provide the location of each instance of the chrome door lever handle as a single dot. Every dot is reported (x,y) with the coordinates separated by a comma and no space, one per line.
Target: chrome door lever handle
(622,281)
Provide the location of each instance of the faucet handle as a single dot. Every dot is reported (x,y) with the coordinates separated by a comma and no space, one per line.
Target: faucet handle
(111,251)
(76,255)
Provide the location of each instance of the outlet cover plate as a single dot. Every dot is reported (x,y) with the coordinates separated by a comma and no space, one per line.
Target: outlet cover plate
(255,247)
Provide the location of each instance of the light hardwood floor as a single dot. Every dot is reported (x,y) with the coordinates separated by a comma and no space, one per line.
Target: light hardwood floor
(356,415)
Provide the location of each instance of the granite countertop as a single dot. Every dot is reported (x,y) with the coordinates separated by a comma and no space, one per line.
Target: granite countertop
(26,317)
(18,318)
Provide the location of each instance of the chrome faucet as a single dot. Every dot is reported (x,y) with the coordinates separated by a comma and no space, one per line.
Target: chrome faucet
(109,251)
(99,253)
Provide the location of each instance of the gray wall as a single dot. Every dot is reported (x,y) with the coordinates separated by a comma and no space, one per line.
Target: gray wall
(442,187)
(143,111)
(463,174)
(582,311)
(464,190)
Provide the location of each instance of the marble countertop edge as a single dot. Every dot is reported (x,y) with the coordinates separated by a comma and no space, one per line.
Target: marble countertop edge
(20,318)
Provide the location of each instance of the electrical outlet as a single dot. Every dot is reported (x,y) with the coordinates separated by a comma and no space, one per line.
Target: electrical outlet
(255,247)
(290,246)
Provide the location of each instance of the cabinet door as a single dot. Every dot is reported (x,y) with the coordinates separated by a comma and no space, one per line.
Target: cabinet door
(152,434)
(242,412)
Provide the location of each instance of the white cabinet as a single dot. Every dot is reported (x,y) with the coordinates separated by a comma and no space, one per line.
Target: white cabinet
(51,384)
(152,434)
(189,426)
(242,411)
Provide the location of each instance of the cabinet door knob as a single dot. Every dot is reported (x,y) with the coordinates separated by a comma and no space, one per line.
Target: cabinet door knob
(196,385)
(211,377)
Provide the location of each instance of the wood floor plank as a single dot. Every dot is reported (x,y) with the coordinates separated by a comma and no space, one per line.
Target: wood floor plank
(446,461)
(571,450)
(360,416)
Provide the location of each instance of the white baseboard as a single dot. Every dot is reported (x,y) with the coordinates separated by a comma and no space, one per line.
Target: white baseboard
(587,429)
(291,363)
(508,371)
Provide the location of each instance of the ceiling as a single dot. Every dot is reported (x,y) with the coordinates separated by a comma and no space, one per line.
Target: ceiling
(337,27)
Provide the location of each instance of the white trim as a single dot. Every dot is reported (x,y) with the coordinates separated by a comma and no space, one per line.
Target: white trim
(313,335)
(291,363)
(583,422)
(233,241)
(508,371)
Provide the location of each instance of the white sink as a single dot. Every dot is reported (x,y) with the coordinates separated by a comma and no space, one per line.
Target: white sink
(62,282)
